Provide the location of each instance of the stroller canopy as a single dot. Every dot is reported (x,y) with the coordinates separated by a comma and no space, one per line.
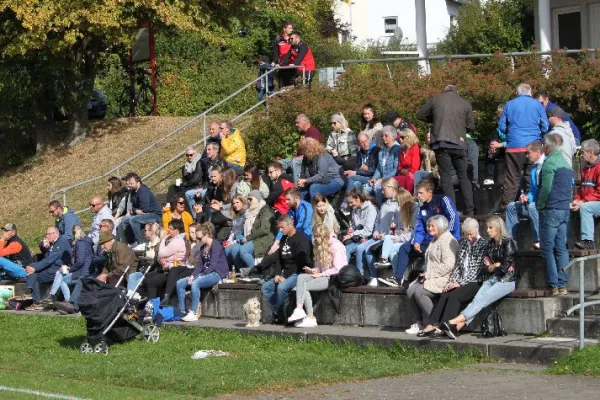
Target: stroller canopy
(99,304)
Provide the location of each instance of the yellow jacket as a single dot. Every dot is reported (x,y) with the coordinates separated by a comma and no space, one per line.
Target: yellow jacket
(186,217)
(233,148)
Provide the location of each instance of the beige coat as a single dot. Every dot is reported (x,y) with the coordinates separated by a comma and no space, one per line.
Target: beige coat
(439,261)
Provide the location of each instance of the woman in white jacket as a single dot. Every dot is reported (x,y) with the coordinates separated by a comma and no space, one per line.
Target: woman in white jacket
(342,143)
(330,258)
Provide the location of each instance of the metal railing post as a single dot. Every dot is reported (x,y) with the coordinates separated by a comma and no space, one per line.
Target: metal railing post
(582,309)
(204,129)
(64,203)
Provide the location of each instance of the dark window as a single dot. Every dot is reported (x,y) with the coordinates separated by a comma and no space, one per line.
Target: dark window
(390,24)
(569,30)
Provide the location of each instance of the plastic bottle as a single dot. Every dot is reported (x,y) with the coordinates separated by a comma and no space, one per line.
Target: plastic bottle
(233,276)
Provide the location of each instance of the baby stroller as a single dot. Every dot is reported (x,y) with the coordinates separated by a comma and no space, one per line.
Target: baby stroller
(110,313)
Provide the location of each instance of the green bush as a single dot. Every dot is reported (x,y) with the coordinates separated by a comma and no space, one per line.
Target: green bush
(574,83)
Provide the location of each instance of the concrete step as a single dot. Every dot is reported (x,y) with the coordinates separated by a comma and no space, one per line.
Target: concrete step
(383,307)
(569,327)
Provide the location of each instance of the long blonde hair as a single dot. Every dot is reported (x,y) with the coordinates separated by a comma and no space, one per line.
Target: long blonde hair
(320,219)
(406,203)
(498,224)
(409,139)
(322,246)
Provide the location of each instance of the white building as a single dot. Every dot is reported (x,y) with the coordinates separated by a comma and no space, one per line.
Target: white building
(573,24)
(372,21)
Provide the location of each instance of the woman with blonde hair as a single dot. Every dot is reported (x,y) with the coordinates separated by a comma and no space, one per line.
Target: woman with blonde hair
(499,260)
(232,244)
(409,161)
(342,144)
(320,173)
(330,258)
(83,253)
(323,213)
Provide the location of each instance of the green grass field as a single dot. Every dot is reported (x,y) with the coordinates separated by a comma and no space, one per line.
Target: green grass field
(42,353)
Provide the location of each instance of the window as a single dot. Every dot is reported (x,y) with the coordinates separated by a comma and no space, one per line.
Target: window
(566,26)
(453,20)
(390,24)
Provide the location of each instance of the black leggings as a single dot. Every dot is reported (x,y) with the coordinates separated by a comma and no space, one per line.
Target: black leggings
(157,279)
(449,303)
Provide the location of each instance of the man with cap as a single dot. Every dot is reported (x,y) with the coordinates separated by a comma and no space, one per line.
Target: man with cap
(258,236)
(14,253)
(544,98)
(556,118)
(43,271)
(118,257)
(394,118)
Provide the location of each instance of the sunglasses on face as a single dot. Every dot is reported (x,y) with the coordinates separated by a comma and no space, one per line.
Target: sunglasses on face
(94,205)
(181,203)
(190,155)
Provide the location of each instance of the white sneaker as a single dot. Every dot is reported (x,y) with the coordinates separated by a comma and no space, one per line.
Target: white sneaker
(298,314)
(134,295)
(414,329)
(190,317)
(487,182)
(372,282)
(390,282)
(307,323)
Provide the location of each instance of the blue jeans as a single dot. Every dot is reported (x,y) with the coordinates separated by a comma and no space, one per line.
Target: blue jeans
(13,270)
(390,250)
(363,254)
(351,249)
(406,251)
(191,200)
(326,189)
(133,279)
(553,246)
(357,182)
(516,208)
(277,292)
(587,212)
(489,292)
(375,190)
(295,164)
(246,255)
(33,283)
(61,282)
(137,222)
(232,254)
(237,168)
(200,282)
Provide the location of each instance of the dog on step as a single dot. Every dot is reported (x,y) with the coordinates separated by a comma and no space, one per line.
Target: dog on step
(252,312)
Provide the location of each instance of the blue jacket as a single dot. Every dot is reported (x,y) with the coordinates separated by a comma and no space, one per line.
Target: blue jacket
(387,165)
(58,254)
(534,184)
(556,184)
(370,157)
(439,205)
(523,121)
(83,253)
(146,201)
(568,119)
(302,219)
(66,223)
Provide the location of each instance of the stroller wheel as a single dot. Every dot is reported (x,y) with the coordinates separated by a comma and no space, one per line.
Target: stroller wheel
(101,348)
(151,333)
(86,348)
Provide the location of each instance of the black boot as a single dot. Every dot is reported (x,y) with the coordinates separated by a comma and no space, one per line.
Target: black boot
(165,301)
(585,245)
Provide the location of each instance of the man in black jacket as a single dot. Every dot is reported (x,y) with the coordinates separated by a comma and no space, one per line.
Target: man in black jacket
(451,117)
(145,208)
(293,256)
(14,253)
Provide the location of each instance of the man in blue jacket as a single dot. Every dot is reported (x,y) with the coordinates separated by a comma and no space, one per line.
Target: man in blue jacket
(544,98)
(300,211)
(523,121)
(431,204)
(64,219)
(146,209)
(43,271)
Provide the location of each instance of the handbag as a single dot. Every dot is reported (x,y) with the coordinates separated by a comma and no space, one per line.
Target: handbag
(492,325)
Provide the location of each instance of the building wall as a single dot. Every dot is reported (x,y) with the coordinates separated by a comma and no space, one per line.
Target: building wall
(590,20)
(367,19)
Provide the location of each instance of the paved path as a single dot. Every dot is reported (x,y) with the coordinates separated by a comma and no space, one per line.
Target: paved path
(483,381)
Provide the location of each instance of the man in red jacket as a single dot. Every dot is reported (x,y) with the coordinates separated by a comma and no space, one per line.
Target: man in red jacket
(301,55)
(281,47)
(587,199)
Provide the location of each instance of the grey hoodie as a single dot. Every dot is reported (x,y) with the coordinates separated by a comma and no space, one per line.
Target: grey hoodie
(569,146)
(365,216)
(389,211)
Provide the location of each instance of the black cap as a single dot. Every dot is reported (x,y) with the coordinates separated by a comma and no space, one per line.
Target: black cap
(389,117)
(556,112)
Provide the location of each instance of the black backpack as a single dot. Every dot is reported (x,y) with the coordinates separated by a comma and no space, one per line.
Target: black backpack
(492,325)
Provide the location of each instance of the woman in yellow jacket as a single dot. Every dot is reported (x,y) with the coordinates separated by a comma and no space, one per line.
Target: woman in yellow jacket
(233,148)
(177,210)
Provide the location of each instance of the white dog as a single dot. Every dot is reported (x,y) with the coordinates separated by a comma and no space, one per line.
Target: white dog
(252,311)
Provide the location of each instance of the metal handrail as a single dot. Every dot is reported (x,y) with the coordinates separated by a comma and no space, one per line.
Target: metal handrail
(203,115)
(582,304)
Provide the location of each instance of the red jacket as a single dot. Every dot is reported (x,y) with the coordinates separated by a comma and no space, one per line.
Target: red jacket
(590,181)
(301,54)
(410,159)
(280,204)
(281,48)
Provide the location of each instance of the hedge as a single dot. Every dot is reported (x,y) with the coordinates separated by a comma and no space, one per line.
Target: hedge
(573,82)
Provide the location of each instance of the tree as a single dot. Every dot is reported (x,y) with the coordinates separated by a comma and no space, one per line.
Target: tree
(491,26)
(67,36)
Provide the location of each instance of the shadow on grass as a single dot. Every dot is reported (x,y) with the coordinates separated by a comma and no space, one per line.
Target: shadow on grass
(72,342)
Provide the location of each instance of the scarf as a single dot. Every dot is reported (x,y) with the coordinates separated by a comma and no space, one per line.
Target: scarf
(190,165)
(251,214)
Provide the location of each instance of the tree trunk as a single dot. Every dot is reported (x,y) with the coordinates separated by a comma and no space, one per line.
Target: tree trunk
(86,56)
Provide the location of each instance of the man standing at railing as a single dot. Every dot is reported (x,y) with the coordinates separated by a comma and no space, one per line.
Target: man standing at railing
(233,148)
(281,48)
(146,209)
(302,56)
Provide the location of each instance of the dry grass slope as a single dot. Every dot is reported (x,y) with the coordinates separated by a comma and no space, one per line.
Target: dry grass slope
(24,193)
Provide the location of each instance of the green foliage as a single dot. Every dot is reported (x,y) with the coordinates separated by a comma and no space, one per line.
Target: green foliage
(579,362)
(574,84)
(46,357)
(491,26)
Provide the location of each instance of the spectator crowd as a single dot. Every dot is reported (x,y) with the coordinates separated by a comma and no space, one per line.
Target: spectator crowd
(369,200)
